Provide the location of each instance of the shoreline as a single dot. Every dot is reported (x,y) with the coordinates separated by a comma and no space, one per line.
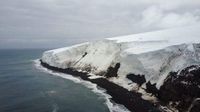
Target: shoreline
(129,99)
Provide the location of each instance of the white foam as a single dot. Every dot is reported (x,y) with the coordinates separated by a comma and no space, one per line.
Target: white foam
(112,106)
(55,108)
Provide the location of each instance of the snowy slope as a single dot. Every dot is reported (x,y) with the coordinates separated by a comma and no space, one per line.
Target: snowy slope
(152,54)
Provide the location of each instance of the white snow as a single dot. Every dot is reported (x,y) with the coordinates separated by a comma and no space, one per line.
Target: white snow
(153,54)
(151,41)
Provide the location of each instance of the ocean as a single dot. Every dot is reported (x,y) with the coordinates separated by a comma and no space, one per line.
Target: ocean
(25,88)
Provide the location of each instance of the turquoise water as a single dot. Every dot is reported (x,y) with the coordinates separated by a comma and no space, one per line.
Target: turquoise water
(23,88)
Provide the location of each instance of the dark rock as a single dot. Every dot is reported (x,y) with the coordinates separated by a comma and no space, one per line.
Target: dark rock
(182,88)
(195,106)
(112,71)
(139,79)
(84,54)
(151,88)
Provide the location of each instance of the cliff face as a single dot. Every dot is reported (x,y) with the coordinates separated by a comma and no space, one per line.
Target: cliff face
(182,89)
(164,63)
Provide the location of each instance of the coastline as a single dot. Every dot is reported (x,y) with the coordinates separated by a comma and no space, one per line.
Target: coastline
(129,99)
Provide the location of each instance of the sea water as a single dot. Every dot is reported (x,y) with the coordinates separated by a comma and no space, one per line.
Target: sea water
(24,88)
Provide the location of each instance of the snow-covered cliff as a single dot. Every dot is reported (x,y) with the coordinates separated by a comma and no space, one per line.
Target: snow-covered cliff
(154,55)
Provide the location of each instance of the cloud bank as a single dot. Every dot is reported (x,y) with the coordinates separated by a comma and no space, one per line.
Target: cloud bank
(57,23)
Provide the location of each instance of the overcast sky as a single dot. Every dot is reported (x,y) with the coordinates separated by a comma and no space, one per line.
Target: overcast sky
(57,23)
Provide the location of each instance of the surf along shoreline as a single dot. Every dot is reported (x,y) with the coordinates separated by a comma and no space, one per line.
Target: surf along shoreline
(130,99)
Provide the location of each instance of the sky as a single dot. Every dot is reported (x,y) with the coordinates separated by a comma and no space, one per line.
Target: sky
(59,23)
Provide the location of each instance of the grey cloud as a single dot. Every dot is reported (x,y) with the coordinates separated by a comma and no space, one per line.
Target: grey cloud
(158,17)
(56,23)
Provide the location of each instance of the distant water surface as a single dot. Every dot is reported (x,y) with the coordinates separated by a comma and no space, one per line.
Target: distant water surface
(23,88)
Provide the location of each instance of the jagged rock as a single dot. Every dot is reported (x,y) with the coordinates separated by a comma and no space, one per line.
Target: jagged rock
(195,106)
(151,88)
(139,79)
(112,71)
(182,88)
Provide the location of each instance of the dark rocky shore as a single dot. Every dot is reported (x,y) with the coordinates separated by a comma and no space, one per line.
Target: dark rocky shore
(120,95)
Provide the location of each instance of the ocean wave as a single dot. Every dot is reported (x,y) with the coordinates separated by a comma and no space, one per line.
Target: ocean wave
(112,106)
(55,107)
